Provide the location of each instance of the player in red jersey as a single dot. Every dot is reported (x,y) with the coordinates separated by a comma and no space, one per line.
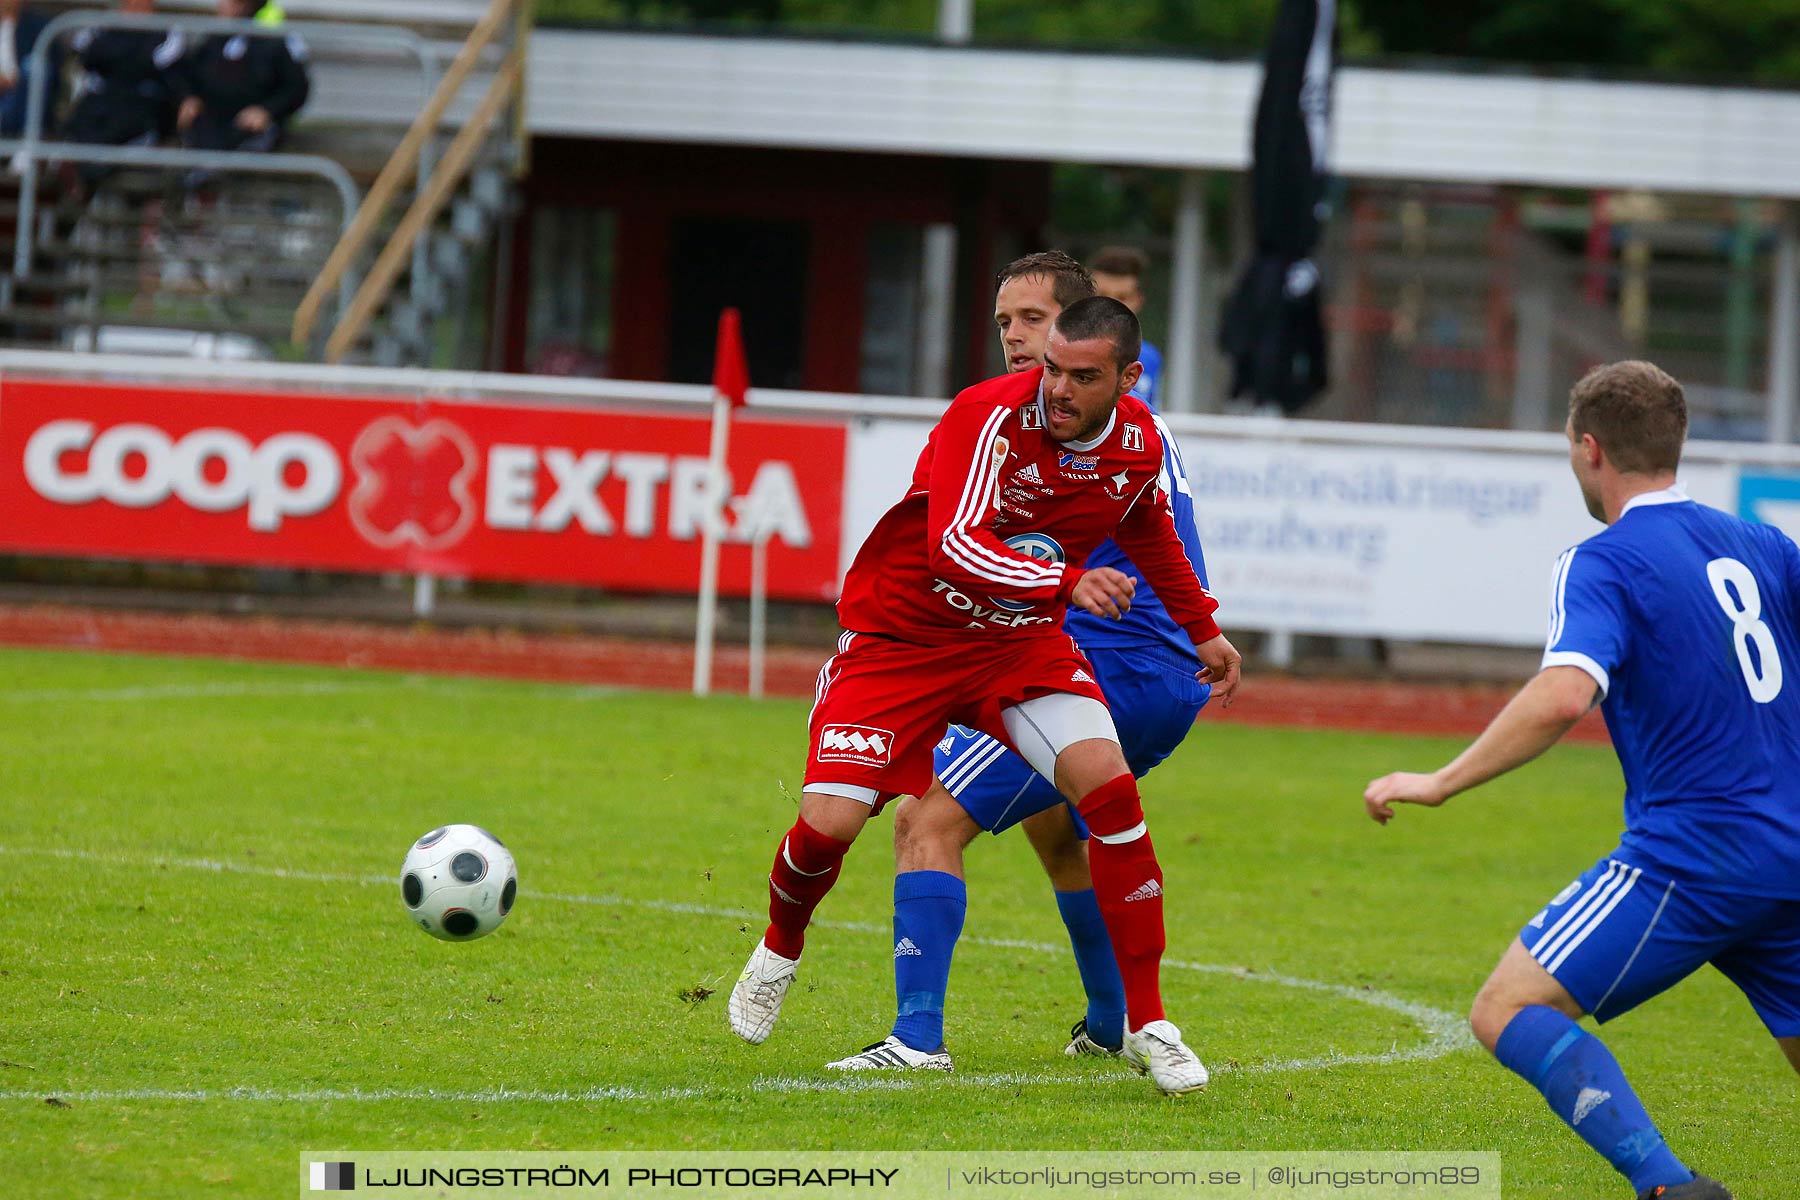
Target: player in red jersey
(954,609)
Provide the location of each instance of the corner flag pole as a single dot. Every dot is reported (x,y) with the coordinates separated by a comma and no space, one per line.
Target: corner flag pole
(731,383)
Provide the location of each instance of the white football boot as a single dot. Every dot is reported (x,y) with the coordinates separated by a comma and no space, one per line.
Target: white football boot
(1082,1044)
(756,998)
(1157,1050)
(892,1054)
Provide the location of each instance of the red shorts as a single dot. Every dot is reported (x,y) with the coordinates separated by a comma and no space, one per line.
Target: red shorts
(883,704)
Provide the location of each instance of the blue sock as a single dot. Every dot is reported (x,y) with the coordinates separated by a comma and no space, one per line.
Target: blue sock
(1099,970)
(1584,1086)
(928,918)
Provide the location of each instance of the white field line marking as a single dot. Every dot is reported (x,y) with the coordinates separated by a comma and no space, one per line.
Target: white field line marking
(187,691)
(1445,1032)
(869,1082)
(323,687)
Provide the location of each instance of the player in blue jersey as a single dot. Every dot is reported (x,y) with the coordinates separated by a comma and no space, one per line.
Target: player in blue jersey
(1146,667)
(1684,624)
(1119,273)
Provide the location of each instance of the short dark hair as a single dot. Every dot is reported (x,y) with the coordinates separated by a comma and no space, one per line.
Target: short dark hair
(1103,317)
(1069,280)
(1120,260)
(1636,411)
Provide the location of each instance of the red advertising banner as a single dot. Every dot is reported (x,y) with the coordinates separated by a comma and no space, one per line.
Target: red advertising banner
(536,494)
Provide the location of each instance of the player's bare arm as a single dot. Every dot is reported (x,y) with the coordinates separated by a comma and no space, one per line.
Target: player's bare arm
(1532,721)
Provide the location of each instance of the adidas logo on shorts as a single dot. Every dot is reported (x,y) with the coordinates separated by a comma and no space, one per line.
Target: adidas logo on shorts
(905,947)
(1150,891)
(1081,676)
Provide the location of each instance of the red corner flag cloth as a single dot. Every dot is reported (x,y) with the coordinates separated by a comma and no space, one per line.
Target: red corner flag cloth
(731,371)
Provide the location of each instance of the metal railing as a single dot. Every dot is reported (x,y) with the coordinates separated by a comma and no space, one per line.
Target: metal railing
(304,165)
(32,150)
(393,12)
(507,86)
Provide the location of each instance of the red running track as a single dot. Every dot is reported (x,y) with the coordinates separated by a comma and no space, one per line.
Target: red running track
(1377,706)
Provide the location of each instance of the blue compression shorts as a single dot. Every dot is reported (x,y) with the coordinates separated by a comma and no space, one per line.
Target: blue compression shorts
(1154,699)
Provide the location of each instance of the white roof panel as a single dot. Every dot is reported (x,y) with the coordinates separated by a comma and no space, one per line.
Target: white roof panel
(962,102)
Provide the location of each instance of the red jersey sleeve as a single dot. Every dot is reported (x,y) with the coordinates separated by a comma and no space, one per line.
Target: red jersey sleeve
(967,460)
(1149,538)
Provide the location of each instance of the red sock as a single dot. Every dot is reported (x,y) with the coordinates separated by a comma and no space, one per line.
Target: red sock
(806,865)
(1128,885)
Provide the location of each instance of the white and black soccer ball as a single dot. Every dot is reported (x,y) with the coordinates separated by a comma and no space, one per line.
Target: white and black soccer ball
(458,882)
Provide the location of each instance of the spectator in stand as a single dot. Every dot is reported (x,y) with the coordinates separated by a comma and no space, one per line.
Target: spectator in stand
(1119,274)
(19,30)
(239,90)
(123,98)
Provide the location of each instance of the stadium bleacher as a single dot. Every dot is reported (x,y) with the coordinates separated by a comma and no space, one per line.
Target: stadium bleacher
(143,255)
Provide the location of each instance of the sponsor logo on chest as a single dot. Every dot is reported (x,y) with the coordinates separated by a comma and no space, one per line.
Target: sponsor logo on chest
(1078,466)
(1012,504)
(988,614)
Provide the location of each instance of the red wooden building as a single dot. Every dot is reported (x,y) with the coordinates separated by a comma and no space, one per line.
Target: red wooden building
(626,251)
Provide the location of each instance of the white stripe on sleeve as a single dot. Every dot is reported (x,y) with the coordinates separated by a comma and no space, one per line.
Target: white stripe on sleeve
(1559,588)
(977,497)
(1574,658)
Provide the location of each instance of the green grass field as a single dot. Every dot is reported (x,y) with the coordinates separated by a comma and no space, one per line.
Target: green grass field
(204,956)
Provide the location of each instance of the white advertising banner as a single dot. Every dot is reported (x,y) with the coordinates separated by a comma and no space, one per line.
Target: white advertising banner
(1405,538)
(878,468)
(1415,543)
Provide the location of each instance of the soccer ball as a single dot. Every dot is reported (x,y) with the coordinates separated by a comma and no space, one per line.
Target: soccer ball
(458,882)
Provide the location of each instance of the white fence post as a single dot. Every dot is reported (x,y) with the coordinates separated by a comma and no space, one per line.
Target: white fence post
(1784,331)
(759,607)
(1184,382)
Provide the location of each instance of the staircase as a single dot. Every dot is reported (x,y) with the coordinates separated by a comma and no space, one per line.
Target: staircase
(458,195)
(359,215)
(424,326)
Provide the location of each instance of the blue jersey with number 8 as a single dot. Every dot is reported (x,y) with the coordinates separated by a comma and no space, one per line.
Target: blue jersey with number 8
(1688,619)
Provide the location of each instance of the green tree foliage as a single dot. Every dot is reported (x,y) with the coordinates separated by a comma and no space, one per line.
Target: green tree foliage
(1223,26)
(1725,39)
(1232,26)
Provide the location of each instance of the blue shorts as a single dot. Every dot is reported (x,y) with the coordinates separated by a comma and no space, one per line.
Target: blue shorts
(1620,935)
(1154,699)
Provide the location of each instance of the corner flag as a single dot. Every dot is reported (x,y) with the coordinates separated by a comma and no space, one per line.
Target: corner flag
(731,388)
(731,371)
